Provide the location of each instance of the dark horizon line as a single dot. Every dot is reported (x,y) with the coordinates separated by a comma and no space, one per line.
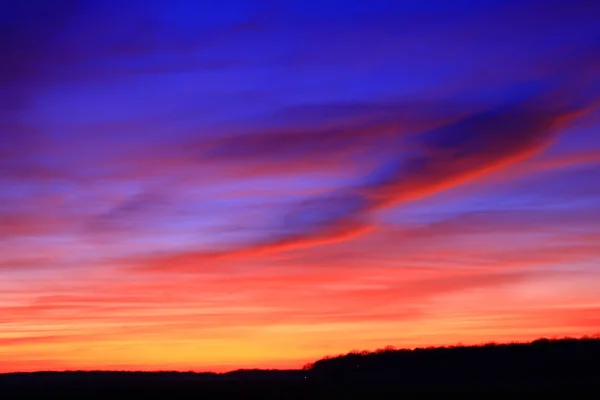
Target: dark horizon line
(389,348)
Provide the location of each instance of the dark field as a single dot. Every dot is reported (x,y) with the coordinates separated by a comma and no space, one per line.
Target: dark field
(569,367)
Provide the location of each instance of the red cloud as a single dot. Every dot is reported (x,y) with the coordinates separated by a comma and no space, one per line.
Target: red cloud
(450,156)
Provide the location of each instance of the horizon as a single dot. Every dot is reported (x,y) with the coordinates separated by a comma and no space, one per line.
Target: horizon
(306,366)
(261,183)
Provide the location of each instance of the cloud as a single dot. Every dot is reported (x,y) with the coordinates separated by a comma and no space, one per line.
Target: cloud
(92,324)
(499,240)
(509,221)
(131,214)
(567,160)
(29,223)
(336,130)
(442,158)
(213,301)
(23,263)
(33,340)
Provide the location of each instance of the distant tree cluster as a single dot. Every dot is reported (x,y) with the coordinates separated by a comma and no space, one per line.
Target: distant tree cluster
(553,361)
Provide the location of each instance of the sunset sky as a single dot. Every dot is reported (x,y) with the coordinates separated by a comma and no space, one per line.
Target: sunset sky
(240,184)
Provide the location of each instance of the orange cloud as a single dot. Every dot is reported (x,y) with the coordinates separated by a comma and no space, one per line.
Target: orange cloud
(266,308)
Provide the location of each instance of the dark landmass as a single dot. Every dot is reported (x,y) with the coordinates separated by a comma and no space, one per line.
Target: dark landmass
(567,366)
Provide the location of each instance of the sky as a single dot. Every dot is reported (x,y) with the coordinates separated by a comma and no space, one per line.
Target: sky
(194,186)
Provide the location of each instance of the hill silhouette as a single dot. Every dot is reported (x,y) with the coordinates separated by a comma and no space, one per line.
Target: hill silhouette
(570,366)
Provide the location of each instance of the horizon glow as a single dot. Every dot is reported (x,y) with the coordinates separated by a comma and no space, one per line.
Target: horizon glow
(260,184)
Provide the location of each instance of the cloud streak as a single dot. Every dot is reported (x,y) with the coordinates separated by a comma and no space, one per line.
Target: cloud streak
(443,158)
